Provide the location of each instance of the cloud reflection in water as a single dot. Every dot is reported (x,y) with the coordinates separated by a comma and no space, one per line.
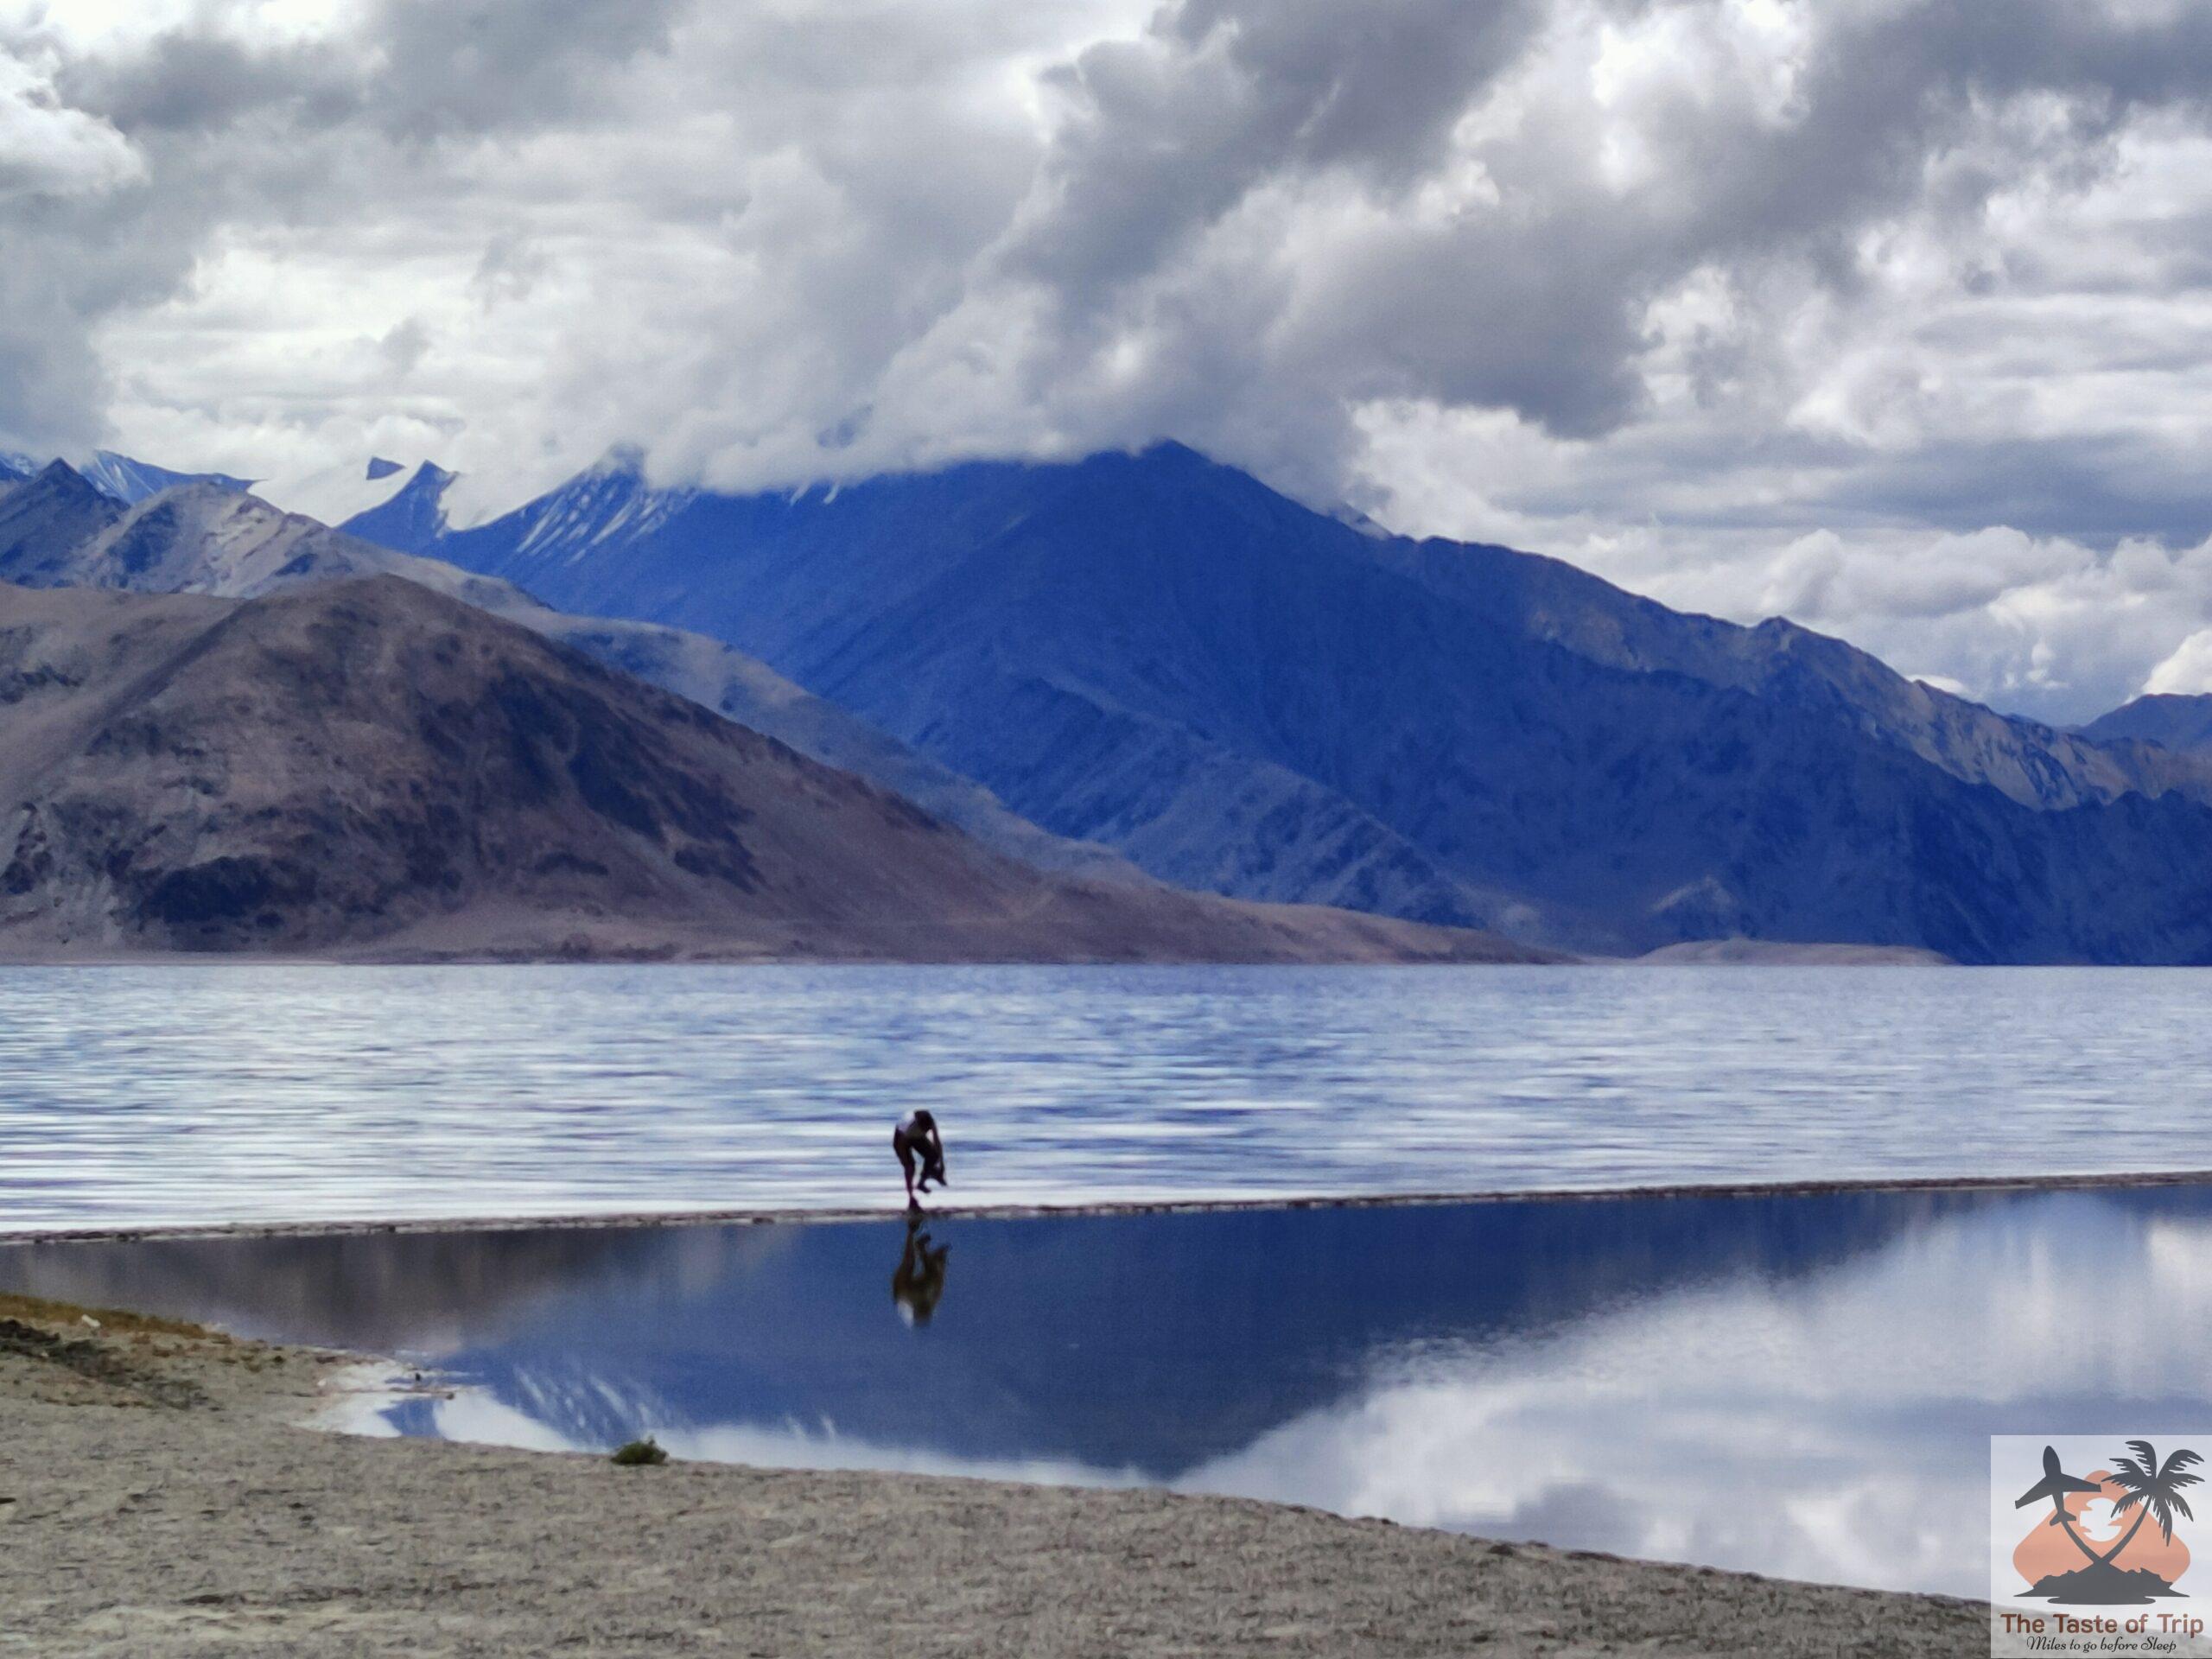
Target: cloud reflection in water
(1797,1386)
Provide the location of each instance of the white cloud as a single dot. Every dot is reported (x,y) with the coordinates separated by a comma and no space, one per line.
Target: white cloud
(49,151)
(1864,309)
(2188,672)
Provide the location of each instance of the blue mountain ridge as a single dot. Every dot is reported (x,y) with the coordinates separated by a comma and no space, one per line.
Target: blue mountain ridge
(132,481)
(412,519)
(2181,723)
(118,477)
(1159,653)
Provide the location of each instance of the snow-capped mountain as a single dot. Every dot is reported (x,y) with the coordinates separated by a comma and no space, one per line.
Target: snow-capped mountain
(331,495)
(120,478)
(611,502)
(132,481)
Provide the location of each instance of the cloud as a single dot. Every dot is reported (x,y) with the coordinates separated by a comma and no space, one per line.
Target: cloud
(49,151)
(1865,307)
(405,346)
(58,167)
(2188,672)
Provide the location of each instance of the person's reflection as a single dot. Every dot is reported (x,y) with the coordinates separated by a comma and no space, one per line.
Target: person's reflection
(920,1279)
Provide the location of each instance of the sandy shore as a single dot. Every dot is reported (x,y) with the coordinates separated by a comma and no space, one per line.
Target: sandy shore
(158,1497)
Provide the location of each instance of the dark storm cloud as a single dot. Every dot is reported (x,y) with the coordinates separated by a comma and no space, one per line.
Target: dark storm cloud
(2095,489)
(1173,130)
(198,83)
(470,67)
(1536,300)
(416,69)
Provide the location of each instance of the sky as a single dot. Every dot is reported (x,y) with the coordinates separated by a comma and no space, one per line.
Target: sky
(1892,316)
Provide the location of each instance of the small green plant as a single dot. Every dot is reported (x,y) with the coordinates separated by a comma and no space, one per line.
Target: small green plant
(641,1453)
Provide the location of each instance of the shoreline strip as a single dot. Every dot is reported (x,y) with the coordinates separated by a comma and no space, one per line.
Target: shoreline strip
(613,1220)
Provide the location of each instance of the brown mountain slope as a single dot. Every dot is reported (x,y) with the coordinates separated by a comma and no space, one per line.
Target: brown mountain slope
(202,538)
(370,769)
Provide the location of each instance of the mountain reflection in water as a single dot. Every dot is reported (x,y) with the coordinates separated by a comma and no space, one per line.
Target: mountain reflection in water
(1796,1385)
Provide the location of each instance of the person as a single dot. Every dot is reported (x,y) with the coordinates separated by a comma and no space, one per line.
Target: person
(916,1140)
(919,1285)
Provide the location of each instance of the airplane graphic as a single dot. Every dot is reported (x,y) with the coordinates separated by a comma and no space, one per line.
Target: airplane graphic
(2054,1485)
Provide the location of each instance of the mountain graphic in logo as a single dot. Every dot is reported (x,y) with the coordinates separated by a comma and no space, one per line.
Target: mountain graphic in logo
(2095,1548)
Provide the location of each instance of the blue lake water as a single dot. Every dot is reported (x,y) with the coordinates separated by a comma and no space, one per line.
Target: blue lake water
(229,1093)
(1800,1385)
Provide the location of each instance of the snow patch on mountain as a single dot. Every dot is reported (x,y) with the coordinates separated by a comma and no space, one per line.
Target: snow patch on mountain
(612,502)
(131,481)
(334,494)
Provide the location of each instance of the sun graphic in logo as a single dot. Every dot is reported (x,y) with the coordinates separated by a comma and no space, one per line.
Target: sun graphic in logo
(2093,1547)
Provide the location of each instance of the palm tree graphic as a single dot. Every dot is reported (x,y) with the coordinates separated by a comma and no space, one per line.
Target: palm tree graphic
(2151,1489)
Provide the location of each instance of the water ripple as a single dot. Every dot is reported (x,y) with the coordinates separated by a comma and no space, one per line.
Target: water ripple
(224,1093)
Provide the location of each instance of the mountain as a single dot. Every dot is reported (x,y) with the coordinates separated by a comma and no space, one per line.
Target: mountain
(2182,725)
(1159,654)
(370,769)
(131,481)
(46,518)
(118,477)
(58,531)
(403,504)
(201,539)
(1188,812)
(1547,598)
(411,517)
(753,694)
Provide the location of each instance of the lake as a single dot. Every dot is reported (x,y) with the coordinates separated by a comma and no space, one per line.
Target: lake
(178,1095)
(1800,1385)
